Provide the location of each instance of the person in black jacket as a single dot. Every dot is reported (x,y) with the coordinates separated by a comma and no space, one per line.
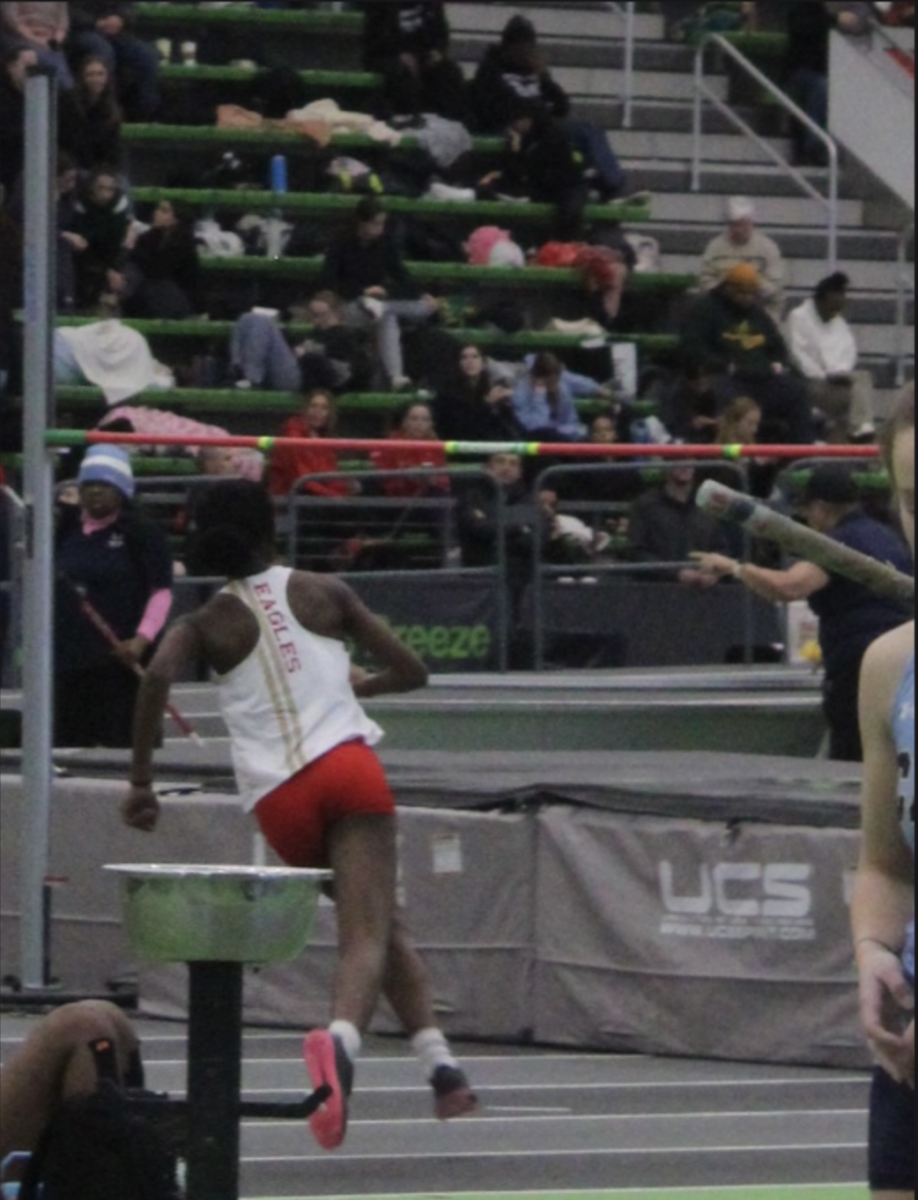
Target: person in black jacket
(409,45)
(14,64)
(516,71)
(101,28)
(363,266)
(90,117)
(476,405)
(540,164)
(162,277)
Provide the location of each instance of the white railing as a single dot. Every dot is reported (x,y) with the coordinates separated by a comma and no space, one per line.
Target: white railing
(704,92)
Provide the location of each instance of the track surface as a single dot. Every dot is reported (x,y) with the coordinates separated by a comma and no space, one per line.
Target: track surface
(577,1126)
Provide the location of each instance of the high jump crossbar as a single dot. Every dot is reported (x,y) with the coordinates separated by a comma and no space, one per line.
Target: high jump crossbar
(74,437)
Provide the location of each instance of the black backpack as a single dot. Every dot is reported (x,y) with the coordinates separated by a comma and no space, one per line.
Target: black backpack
(104,1146)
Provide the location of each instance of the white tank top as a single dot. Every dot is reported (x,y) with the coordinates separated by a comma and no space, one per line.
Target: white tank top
(291,701)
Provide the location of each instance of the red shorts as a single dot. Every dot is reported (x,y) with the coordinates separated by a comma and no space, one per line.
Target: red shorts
(297,817)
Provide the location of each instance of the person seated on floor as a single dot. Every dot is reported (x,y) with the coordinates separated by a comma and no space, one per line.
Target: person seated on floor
(540,164)
(667,526)
(161,279)
(409,45)
(824,350)
(728,329)
(364,267)
(476,405)
(102,28)
(742,242)
(414,422)
(516,70)
(59,1104)
(545,396)
(102,220)
(333,357)
(90,117)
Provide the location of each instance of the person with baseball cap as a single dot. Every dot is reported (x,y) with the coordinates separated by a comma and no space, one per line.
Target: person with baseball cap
(729,335)
(119,562)
(743,243)
(851,616)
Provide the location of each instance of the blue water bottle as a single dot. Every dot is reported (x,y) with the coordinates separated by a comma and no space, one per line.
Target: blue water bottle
(279,173)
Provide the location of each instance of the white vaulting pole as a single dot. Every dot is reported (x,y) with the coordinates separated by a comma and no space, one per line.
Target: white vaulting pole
(38,575)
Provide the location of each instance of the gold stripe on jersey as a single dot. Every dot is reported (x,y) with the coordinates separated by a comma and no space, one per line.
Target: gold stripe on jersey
(276,680)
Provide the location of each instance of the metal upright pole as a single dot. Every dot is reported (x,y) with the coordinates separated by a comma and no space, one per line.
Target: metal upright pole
(38,573)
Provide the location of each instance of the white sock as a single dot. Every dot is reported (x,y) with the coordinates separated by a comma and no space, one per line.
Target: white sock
(349,1036)
(433,1050)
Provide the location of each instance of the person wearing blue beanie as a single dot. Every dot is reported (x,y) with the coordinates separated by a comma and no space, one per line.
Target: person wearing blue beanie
(118,561)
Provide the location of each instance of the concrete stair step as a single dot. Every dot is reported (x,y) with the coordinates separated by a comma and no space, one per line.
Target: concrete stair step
(558,21)
(871,280)
(669,147)
(855,245)
(882,340)
(756,179)
(774,212)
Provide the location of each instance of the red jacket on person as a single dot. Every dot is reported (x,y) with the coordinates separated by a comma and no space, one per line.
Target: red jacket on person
(402,458)
(288,464)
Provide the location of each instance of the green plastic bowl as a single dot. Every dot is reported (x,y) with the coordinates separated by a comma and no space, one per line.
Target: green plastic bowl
(198,913)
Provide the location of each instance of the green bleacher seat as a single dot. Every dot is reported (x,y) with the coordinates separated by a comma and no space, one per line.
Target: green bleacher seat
(530,340)
(458,275)
(193,16)
(330,81)
(212,402)
(326,204)
(172,137)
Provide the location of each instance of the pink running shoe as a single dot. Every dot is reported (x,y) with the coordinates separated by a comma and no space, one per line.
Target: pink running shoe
(329,1066)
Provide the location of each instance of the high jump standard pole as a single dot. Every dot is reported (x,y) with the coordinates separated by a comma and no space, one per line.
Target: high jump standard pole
(38,571)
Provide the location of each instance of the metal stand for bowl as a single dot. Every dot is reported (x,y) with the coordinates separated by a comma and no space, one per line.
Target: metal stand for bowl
(205,1126)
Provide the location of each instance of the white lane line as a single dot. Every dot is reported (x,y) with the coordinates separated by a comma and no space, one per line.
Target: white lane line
(752,1189)
(604,1118)
(410,1089)
(504,1156)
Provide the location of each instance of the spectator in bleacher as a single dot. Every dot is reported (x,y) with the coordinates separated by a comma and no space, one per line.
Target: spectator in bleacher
(728,331)
(667,526)
(162,275)
(42,27)
(742,242)
(480,523)
(545,400)
(477,403)
(740,425)
(824,350)
(335,355)
(102,221)
(409,45)
(540,164)
(68,244)
(102,29)
(365,268)
(10,294)
(122,565)
(15,62)
(806,65)
(413,423)
(516,71)
(318,420)
(689,406)
(90,117)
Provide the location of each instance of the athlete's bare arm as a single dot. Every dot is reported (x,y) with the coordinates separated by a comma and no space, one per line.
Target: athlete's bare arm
(884,894)
(326,605)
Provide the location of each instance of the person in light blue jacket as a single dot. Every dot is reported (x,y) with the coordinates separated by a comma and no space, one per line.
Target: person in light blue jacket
(544,400)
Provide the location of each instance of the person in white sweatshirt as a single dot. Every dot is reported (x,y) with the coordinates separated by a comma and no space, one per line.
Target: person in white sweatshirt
(824,350)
